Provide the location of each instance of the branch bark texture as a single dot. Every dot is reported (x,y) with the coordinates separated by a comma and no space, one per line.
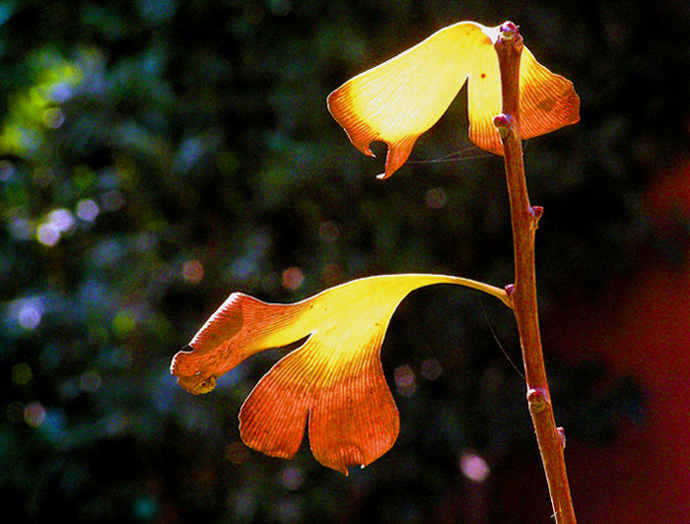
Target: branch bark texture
(523,292)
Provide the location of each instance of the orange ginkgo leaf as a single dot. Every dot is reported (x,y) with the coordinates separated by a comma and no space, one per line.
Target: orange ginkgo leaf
(333,380)
(400,99)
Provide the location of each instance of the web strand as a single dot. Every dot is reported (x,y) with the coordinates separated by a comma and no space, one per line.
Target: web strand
(498,341)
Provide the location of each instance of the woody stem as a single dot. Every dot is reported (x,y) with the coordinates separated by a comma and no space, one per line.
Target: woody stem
(523,292)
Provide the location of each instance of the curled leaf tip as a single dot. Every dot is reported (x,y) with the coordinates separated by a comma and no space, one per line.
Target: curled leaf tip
(185,366)
(332,385)
(398,100)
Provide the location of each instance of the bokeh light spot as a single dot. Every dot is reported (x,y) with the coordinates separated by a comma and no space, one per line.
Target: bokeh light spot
(405,380)
(436,198)
(243,268)
(292,278)
(193,271)
(90,381)
(474,467)
(56,223)
(124,323)
(87,210)
(292,478)
(431,369)
(53,117)
(22,374)
(34,414)
(48,234)
(62,219)
(145,509)
(60,92)
(27,312)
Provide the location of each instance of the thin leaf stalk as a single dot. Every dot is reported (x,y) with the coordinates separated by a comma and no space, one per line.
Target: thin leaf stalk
(523,292)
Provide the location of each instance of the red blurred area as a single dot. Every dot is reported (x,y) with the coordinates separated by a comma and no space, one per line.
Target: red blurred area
(642,329)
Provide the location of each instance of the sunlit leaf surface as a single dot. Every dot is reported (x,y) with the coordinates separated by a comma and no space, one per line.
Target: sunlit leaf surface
(334,380)
(400,99)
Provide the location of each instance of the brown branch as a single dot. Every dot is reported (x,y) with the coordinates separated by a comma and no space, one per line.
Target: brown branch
(523,292)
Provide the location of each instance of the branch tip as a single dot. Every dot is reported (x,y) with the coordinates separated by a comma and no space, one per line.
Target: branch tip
(509,35)
(509,29)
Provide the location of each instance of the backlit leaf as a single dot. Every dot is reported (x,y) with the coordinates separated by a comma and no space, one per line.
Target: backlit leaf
(400,99)
(333,381)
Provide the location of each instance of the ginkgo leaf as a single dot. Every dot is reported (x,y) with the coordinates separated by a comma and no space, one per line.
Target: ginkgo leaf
(333,382)
(400,99)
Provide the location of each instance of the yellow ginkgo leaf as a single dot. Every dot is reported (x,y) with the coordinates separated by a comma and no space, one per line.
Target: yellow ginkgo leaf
(400,99)
(333,380)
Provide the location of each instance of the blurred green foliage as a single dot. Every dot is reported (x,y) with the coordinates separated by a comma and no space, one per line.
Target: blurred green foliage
(160,154)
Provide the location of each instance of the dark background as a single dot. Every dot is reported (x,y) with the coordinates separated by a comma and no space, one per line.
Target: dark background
(160,154)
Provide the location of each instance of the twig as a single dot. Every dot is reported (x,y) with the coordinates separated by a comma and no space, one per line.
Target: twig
(525,217)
